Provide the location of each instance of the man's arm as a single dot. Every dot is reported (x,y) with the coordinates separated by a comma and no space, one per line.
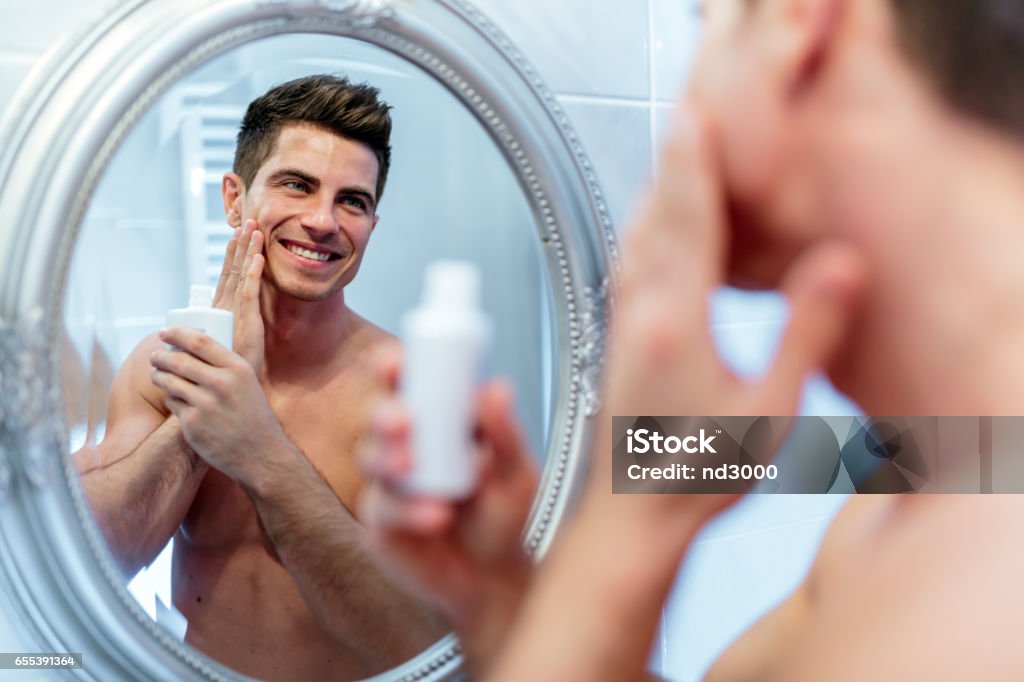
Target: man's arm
(141,479)
(329,555)
(619,556)
(226,417)
(466,556)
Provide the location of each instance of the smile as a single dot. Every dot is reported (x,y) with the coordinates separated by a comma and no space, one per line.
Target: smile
(309,252)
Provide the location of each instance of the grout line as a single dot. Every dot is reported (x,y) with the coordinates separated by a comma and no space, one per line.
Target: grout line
(814,521)
(651,118)
(603,99)
(20,54)
(663,626)
(739,324)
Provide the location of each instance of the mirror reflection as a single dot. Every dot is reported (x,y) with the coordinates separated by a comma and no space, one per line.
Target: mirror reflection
(226,482)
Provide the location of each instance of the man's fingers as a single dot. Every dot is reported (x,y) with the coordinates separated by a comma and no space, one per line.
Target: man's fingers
(225,271)
(824,288)
(676,244)
(387,364)
(387,459)
(175,386)
(175,406)
(510,456)
(686,184)
(386,513)
(235,272)
(250,299)
(197,343)
(184,365)
(252,251)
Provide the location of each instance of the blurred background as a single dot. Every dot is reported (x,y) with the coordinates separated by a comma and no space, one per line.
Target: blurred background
(616,66)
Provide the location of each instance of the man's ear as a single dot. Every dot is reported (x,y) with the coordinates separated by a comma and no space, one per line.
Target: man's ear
(373,225)
(232,190)
(805,33)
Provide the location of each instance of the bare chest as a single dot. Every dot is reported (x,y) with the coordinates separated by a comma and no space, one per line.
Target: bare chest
(327,423)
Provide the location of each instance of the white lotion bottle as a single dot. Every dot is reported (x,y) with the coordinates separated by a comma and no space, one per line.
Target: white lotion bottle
(445,338)
(202,316)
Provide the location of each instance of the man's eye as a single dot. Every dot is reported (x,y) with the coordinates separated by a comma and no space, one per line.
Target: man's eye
(296,185)
(354,202)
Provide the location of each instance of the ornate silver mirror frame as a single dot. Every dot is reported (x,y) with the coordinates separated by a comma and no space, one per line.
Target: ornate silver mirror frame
(59,135)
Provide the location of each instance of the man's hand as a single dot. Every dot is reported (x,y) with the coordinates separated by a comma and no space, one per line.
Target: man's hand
(663,359)
(245,244)
(216,393)
(466,556)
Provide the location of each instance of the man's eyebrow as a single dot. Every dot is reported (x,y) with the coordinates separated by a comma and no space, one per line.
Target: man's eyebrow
(294,172)
(356,190)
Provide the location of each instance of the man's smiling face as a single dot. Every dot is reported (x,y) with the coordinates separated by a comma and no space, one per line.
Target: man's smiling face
(314,200)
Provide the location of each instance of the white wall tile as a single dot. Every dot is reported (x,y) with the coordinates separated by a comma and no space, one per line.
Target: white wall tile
(730,305)
(675,34)
(661,120)
(726,585)
(38,25)
(580,47)
(748,347)
(14,66)
(616,137)
(762,512)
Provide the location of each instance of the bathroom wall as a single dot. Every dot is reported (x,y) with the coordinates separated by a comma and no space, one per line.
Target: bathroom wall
(616,65)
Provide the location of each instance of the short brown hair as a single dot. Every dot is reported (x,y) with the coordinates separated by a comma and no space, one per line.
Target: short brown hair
(973,53)
(335,104)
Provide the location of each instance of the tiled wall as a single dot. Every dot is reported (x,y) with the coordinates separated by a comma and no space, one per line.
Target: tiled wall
(616,65)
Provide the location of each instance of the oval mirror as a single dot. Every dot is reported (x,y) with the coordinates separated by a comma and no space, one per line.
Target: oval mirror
(146,109)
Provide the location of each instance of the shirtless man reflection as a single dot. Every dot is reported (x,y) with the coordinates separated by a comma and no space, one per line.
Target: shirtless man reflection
(228,451)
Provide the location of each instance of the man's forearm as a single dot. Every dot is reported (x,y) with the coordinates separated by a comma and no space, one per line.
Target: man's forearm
(328,554)
(484,626)
(613,563)
(139,500)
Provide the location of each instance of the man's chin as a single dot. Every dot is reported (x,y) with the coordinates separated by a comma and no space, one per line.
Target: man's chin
(308,294)
(302,291)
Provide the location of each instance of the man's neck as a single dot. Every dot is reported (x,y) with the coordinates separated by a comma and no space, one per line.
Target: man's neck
(302,335)
(938,206)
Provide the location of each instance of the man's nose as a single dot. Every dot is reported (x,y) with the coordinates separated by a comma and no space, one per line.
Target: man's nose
(319,219)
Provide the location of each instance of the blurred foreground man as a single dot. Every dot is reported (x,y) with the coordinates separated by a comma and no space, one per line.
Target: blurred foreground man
(866,157)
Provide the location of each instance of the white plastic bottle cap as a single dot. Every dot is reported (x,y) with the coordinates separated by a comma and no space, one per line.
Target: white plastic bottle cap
(450,283)
(200,295)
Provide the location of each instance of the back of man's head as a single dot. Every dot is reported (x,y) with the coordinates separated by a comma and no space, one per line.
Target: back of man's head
(972,51)
(349,110)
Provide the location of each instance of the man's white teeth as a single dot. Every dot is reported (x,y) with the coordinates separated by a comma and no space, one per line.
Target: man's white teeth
(306,253)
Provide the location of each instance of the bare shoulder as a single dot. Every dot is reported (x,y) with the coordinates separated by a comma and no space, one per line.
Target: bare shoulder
(133,382)
(367,337)
(921,587)
(372,333)
(766,643)
(134,410)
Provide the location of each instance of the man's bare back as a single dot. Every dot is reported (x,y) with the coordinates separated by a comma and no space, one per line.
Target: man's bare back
(953,613)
